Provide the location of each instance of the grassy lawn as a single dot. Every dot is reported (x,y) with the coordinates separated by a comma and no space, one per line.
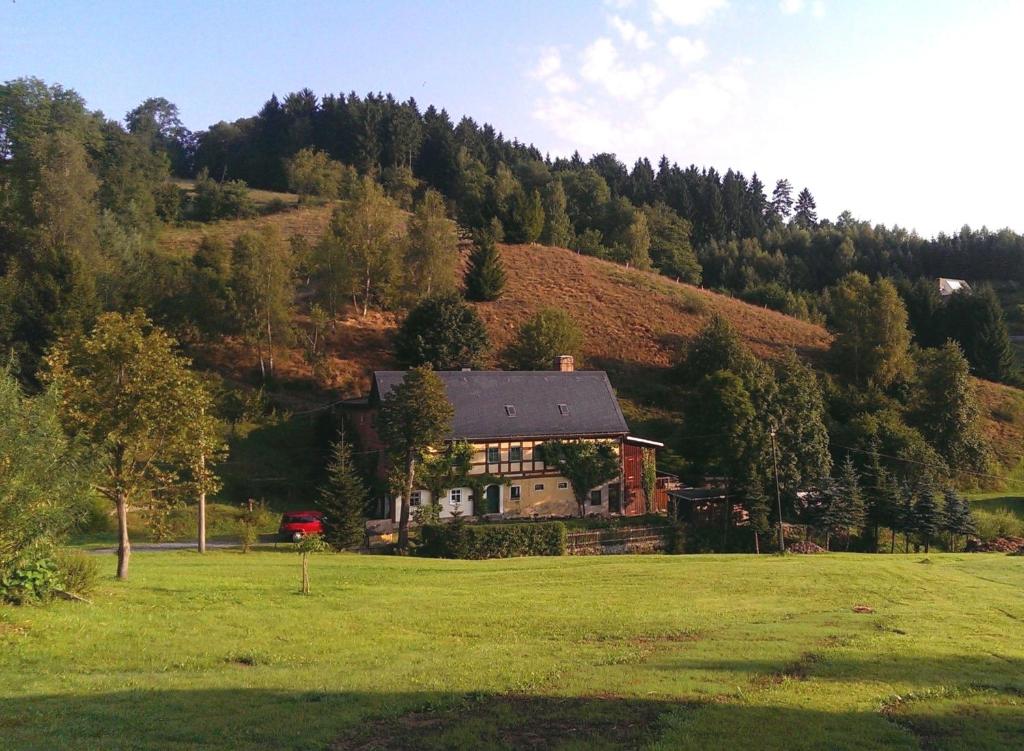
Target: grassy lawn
(658,652)
(1012,501)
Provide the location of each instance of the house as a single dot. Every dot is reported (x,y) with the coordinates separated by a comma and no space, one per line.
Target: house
(949,287)
(505,416)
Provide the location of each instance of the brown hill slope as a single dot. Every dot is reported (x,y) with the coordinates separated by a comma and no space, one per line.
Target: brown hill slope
(634,322)
(631,316)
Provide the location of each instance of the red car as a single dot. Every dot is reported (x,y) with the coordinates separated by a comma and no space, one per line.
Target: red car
(297,524)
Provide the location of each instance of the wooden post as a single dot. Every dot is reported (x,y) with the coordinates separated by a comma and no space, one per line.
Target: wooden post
(305,573)
(124,546)
(778,494)
(202,505)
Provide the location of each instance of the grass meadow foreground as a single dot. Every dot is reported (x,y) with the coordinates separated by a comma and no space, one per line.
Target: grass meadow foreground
(656,652)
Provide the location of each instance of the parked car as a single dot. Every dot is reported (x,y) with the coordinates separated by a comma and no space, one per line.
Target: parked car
(297,524)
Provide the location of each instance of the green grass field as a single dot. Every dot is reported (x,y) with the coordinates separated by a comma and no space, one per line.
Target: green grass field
(620,652)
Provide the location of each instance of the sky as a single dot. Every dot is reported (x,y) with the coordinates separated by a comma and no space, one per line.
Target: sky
(905,113)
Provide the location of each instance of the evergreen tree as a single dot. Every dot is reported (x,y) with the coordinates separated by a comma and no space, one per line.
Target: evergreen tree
(343,499)
(443,332)
(805,215)
(485,277)
(946,408)
(846,511)
(782,200)
(975,319)
(957,518)
(880,511)
(905,517)
(928,519)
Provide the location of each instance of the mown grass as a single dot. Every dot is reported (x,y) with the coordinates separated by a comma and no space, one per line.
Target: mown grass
(656,652)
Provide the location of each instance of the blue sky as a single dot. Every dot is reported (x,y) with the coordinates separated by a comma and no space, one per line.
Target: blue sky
(905,112)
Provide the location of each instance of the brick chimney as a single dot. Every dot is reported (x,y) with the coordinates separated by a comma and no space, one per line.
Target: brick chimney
(565,363)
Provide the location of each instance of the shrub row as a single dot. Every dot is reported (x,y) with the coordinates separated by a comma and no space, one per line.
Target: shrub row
(460,540)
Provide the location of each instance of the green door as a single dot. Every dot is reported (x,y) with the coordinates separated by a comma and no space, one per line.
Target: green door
(493,500)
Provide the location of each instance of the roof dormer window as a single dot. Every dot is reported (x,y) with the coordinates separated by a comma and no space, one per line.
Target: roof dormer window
(563,409)
(510,410)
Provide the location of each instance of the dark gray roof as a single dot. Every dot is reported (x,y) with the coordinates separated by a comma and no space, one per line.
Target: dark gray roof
(480,398)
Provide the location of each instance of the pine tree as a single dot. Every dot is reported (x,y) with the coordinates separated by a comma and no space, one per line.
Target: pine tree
(927,514)
(782,200)
(992,352)
(343,499)
(805,215)
(905,518)
(485,278)
(957,518)
(880,511)
(850,514)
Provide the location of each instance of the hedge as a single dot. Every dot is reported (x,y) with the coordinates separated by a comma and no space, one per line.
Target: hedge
(460,540)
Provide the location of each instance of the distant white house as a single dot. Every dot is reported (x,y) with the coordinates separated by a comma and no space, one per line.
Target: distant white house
(949,287)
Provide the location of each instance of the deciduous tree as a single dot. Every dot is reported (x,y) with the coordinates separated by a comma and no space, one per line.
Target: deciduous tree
(127,391)
(585,464)
(432,253)
(542,337)
(443,332)
(415,417)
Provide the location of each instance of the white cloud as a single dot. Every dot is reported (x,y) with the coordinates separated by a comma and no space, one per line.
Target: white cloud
(684,12)
(687,51)
(548,71)
(631,34)
(792,7)
(602,65)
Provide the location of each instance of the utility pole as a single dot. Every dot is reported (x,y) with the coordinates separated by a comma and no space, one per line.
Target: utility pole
(778,494)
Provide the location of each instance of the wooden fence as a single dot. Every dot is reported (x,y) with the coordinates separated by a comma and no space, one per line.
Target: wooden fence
(617,540)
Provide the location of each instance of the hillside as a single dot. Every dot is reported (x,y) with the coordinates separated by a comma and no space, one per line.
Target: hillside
(629,317)
(635,323)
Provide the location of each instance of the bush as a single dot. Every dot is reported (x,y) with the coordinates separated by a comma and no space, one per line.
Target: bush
(30,579)
(998,523)
(460,540)
(78,571)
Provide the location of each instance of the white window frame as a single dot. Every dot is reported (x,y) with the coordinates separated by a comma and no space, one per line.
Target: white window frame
(563,485)
(537,487)
(497,451)
(515,448)
(515,493)
(455,496)
(415,498)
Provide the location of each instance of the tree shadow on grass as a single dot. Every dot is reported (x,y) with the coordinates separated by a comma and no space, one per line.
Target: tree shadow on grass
(363,721)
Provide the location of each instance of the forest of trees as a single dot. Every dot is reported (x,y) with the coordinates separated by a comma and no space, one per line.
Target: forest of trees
(724,230)
(87,299)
